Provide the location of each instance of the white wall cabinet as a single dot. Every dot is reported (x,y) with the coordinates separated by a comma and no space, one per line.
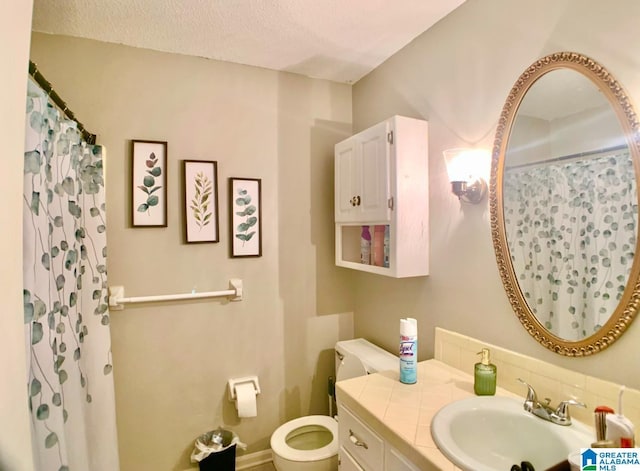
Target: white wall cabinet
(382,179)
(363,449)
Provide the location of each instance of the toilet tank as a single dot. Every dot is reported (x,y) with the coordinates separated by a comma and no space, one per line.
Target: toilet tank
(371,358)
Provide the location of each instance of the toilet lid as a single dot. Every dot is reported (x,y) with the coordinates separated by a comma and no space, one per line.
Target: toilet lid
(350,367)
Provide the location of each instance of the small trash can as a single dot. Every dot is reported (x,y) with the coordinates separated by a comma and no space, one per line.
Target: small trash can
(216,450)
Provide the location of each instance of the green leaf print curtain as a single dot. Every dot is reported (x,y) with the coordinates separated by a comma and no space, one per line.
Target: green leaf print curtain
(70,383)
(571,230)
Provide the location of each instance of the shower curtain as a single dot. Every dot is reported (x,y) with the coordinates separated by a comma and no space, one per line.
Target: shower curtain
(70,383)
(572,236)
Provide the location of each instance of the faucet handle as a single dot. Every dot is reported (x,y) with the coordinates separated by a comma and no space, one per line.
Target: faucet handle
(562,411)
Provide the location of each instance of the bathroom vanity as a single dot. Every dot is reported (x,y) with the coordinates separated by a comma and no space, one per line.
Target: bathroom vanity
(384,425)
(401,415)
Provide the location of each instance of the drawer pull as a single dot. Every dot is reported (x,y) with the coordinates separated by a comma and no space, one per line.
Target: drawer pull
(356,441)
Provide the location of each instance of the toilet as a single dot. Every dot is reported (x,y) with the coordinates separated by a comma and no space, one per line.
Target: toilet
(310,443)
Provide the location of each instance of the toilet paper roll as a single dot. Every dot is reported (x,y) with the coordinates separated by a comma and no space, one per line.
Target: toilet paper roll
(246,400)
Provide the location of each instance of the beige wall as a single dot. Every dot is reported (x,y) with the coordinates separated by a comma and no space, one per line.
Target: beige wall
(457,76)
(15,438)
(172,360)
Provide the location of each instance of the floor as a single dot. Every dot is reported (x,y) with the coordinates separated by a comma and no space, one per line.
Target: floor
(263,467)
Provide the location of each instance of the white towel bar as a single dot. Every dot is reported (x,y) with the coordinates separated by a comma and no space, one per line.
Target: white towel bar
(117,299)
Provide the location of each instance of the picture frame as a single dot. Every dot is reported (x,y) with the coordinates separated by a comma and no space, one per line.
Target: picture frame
(148,183)
(245,217)
(200,190)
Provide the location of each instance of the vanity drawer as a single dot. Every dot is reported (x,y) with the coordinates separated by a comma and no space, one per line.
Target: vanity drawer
(346,462)
(360,441)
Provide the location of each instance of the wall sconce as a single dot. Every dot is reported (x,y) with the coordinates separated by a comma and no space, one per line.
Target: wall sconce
(467,169)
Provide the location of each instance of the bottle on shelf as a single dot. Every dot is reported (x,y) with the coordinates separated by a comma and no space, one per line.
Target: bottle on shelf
(365,246)
(378,245)
(385,262)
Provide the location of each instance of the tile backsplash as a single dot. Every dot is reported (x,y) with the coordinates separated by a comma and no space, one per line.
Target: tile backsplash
(460,351)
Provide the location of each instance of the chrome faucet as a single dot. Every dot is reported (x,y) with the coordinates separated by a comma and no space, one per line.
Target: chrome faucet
(560,415)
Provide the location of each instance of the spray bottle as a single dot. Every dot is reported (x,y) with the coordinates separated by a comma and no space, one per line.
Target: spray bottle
(408,350)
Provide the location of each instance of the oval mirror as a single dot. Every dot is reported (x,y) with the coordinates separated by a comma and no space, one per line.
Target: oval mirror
(564,204)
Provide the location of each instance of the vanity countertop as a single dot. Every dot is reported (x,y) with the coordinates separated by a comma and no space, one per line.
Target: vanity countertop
(402,413)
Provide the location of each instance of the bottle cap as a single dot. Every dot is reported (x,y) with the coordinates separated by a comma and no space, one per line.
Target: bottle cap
(485,356)
(408,327)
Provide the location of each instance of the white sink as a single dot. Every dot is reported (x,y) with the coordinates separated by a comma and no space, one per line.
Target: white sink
(487,433)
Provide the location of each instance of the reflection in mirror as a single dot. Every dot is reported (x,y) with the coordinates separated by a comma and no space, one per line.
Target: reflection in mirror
(565,204)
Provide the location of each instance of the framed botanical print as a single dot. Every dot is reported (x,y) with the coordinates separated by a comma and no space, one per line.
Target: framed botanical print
(148,183)
(200,201)
(245,221)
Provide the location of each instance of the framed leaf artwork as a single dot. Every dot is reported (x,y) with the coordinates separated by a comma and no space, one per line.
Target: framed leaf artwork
(149,183)
(200,201)
(245,217)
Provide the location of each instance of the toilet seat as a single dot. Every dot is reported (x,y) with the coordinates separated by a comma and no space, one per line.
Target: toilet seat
(279,439)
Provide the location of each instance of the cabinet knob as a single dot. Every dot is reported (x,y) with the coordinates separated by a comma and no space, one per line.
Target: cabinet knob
(355,201)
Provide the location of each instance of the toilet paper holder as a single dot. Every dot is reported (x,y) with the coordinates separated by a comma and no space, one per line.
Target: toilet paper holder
(237,381)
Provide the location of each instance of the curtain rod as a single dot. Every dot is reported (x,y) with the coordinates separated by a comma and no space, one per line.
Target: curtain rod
(570,156)
(48,88)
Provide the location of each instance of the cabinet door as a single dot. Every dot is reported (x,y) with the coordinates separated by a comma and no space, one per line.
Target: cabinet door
(348,180)
(375,150)
(394,461)
(362,186)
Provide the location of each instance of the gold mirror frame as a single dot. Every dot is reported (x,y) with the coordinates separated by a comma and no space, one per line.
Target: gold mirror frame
(630,301)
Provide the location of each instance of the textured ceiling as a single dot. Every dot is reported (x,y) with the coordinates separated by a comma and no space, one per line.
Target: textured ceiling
(339,40)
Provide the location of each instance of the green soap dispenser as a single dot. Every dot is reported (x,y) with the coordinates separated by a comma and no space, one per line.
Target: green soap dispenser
(485,375)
